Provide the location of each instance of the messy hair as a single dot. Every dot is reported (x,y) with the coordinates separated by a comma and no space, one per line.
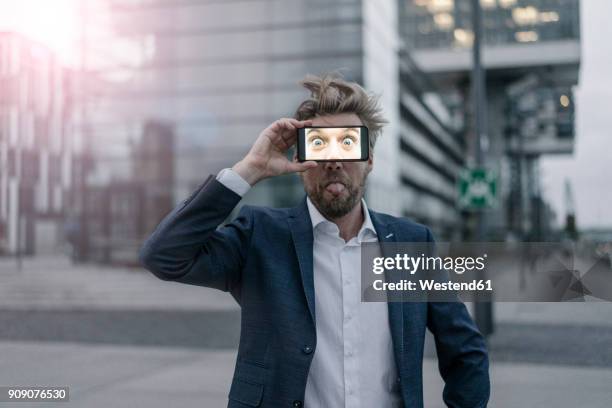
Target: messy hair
(330,94)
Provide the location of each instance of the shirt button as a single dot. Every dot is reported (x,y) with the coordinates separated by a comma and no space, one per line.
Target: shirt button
(307,349)
(297,404)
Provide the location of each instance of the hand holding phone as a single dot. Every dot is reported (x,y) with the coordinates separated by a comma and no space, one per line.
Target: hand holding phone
(333,143)
(267,157)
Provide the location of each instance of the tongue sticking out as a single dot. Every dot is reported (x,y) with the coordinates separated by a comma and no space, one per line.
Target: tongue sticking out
(335,188)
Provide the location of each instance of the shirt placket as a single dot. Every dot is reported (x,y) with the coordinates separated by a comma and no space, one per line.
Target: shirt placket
(350,308)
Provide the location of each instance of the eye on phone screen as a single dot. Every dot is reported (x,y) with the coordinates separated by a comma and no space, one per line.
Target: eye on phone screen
(333,143)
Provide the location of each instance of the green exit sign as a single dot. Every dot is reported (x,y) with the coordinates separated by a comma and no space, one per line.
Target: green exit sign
(477,189)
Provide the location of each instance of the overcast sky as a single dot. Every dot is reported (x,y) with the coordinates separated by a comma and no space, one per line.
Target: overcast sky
(590,168)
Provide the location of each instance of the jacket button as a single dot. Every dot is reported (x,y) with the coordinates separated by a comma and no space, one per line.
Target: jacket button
(307,350)
(297,404)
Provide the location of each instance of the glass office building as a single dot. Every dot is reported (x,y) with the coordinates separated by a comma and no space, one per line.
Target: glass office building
(447,23)
(218,72)
(221,71)
(531,54)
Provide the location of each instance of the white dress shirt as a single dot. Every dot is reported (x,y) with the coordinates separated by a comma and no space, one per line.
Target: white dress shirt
(353,363)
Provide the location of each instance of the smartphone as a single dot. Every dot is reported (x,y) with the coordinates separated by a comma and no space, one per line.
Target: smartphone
(333,143)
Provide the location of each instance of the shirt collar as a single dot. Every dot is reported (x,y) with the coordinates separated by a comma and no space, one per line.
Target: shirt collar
(319,220)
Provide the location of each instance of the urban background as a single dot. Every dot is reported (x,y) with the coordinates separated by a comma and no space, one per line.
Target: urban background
(113,112)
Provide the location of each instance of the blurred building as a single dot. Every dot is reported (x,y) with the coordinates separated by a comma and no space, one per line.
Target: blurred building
(220,72)
(153,167)
(36,146)
(531,53)
(431,150)
(118,213)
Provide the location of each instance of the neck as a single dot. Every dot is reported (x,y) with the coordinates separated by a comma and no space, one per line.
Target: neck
(350,224)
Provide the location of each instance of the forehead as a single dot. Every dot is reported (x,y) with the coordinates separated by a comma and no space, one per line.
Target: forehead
(339,119)
(329,132)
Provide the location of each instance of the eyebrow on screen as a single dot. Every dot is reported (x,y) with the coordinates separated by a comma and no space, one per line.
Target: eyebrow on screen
(317,135)
(349,129)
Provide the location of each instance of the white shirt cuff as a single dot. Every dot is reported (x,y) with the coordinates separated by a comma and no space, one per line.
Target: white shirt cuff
(232,180)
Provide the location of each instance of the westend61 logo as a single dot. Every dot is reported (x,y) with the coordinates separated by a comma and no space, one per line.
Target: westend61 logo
(411,264)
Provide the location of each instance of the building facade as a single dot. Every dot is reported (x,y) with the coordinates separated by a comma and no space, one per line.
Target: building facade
(222,71)
(531,54)
(36,146)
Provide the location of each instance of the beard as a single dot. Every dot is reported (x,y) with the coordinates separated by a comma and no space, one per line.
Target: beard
(337,206)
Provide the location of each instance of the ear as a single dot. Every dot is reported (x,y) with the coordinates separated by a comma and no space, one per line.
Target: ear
(370,162)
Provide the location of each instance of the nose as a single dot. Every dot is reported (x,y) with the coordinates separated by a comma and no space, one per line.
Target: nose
(333,165)
(332,151)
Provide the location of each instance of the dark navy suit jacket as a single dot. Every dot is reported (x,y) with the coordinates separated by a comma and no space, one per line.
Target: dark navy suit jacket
(264,259)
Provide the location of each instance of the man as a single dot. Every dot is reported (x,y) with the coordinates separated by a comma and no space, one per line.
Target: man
(306,338)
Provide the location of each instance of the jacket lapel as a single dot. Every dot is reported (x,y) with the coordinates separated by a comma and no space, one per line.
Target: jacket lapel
(301,232)
(387,233)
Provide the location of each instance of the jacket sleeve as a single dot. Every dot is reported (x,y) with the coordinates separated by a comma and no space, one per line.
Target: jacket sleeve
(188,247)
(462,353)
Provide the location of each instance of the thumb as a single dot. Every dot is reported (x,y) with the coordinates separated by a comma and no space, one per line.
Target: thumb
(300,166)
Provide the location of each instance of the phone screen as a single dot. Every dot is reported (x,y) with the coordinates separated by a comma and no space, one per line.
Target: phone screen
(339,143)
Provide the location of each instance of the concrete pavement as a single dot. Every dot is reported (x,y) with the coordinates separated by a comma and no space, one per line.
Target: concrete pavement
(125,376)
(52,282)
(121,337)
